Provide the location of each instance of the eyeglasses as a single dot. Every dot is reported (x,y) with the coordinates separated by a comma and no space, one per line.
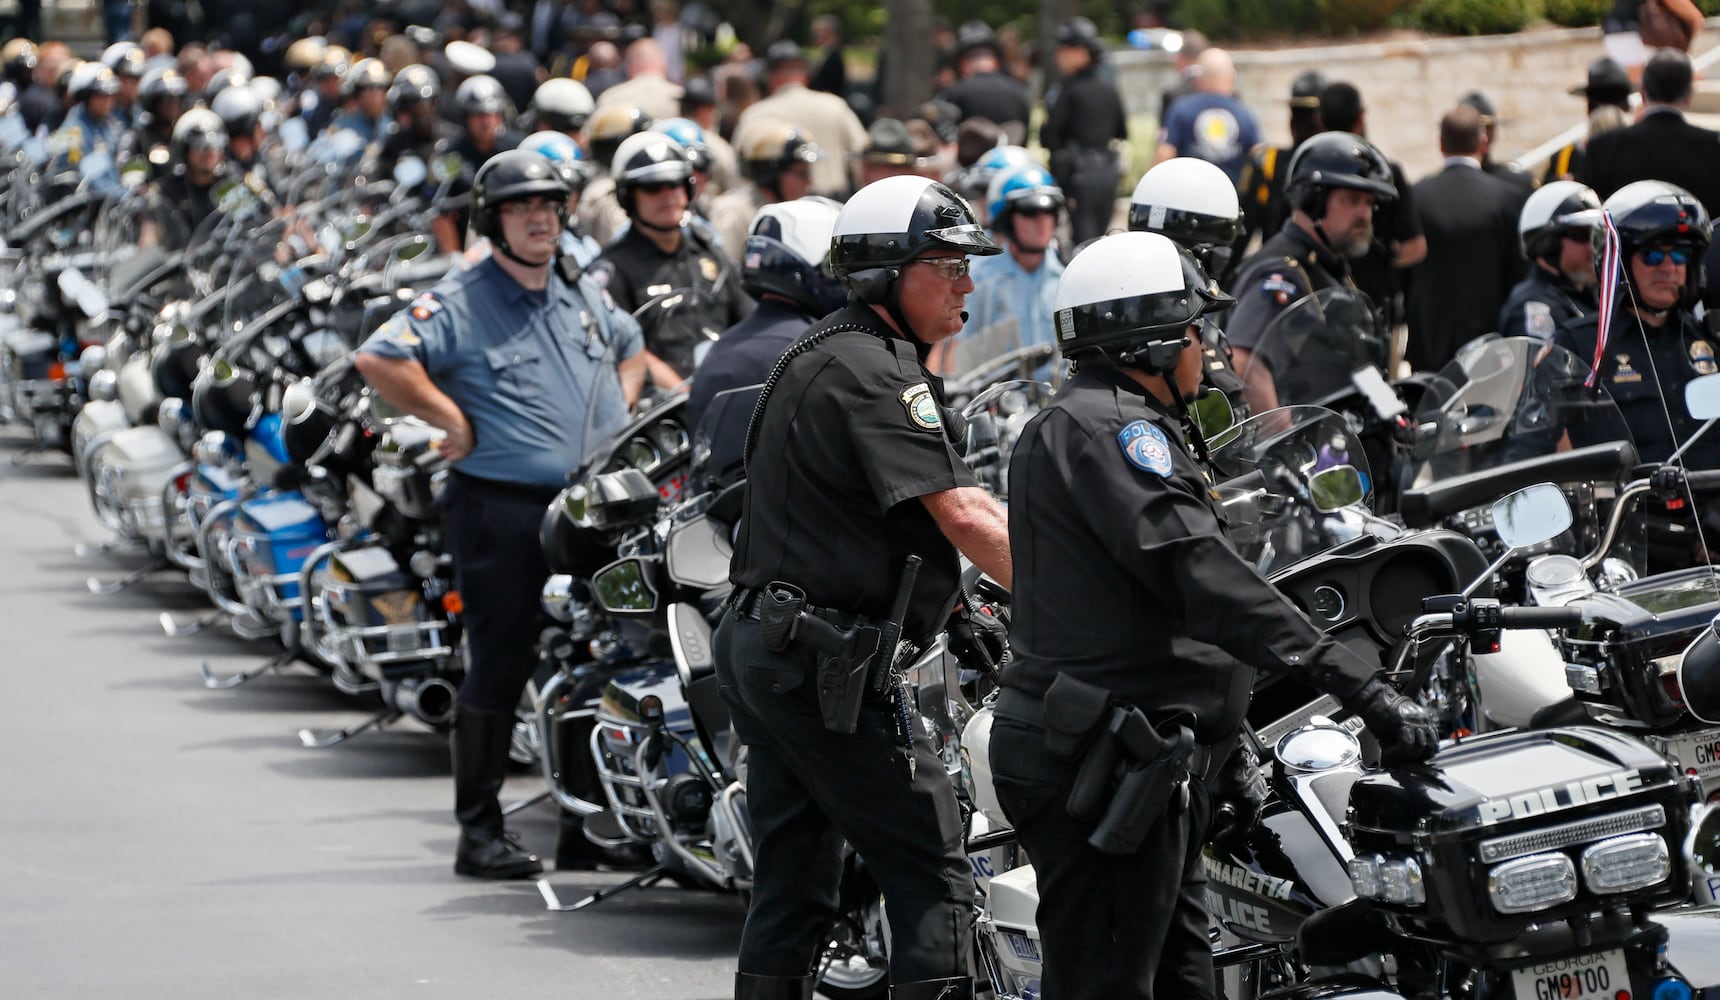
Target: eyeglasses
(655,187)
(1659,256)
(952,268)
(1034,213)
(520,209)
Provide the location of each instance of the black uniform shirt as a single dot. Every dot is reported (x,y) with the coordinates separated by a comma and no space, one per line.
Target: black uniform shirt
(636,270)
(744,354)
(1124,573)
(404,141)
(852,438)
(1285,268)
(1635,355)
(995,95)
(1540,304)
(1088,114)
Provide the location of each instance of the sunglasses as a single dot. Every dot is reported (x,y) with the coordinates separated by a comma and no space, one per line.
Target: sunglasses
(655,187)
(1034,213)
(953,268)
(520,209)
(1660,255)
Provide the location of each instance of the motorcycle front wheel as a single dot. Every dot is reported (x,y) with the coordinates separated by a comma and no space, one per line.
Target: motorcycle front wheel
(856,964)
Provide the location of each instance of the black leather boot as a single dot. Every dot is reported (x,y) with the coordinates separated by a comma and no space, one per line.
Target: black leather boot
(479,746)
(750,987)
(934,989)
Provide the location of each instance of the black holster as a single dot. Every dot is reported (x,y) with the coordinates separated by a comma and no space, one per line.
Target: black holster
(1129,772)
(846,653)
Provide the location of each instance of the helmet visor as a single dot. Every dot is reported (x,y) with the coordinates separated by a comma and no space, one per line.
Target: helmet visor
(969,238)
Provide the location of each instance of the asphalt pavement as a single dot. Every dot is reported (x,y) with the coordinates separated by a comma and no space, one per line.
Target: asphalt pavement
(160,839)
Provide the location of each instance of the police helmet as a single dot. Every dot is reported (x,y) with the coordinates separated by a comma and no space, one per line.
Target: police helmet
(691,137)
(649,158)
(91,79)
(1648,214)
(1027,187)
(366,74)
(1306,89)
(513,175)
(1554,209)
(19,58)
(305,53)
(1194,203)
(977,180)
(414,84)
(240,108)
(221,396)
(1128,302)
(572,542)
(890,222)
(788,251)
(125,59)
(974,36)
(333,63)
(768,148)
(469,59)
(575,169)
(608,125)
(482,95)
(267,89)
(562,104)
(222,80)
(1333,160)
(158,85)
(1082,32)
(1699,675)
(198,128)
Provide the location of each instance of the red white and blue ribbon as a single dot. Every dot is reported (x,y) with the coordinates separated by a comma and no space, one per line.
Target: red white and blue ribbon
(1611,276)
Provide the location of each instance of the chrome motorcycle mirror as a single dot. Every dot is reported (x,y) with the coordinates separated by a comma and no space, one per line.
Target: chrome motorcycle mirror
(298,401)
(1702,397)
(621,587)
(1531,515)
(410,171)
(1335,488)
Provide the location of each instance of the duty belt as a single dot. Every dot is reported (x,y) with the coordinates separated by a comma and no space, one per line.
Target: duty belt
(745,602)
(1019,706)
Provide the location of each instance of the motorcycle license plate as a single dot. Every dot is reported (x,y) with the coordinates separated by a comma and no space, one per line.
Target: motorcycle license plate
(1603,974)
(404,641)
(1699,752)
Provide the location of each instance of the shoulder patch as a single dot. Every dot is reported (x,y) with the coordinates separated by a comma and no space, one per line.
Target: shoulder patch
(1538,320)
(922,408)
(398,331)
(1146,448)
(1279,289)
(426,306)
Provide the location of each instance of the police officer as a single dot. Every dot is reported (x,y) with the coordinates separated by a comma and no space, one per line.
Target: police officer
(484,106)
(1018,286)
(786,272)
(1080,126)
(1557,228)
(1192,202)
(1656,345)
(600,213)
(322,101)
(414,99)
(182,198)
(850,473)
(1335,181)
(522,366)
(776,160)
(576,170)
(561,105)
(90,126)
(659,254)
(365,87)
(1128,591)
(126,59)
(1262,183)
(161,100)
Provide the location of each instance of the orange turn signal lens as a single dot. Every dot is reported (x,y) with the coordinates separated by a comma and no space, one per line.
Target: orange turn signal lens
(451,602)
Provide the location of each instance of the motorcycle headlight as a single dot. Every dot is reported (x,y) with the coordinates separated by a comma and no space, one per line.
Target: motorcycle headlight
(1623,864)
(557,593)
(1390,880)
(169,415)
(104,385)
(1532,883)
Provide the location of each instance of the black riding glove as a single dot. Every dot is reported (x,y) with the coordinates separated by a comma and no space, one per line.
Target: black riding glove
(1406,732)
(1241,793)
(980,640)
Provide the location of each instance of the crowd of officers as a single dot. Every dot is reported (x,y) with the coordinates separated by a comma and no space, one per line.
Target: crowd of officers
(604,249)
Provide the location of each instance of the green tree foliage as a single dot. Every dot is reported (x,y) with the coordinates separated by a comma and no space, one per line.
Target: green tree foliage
(1578,13)
(1473,17)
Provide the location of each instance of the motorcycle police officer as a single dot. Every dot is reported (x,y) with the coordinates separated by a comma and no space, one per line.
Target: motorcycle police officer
(523,363)
(1335,180)
(1130,599)
(1655,346)
(180,199)
(1557,227)
(90,126)
(851,472)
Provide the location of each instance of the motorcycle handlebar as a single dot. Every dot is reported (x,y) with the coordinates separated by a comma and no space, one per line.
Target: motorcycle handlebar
(1530,617)
(1707,480)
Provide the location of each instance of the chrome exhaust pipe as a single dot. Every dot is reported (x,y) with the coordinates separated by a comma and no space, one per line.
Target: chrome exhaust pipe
(427,699)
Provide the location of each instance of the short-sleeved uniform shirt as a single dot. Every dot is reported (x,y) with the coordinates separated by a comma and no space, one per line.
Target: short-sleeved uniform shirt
(534,372)
(1216,128)
(635,271)
(1540,304)
(852,436)
(1004,290)
(1285,268)
(1125,576)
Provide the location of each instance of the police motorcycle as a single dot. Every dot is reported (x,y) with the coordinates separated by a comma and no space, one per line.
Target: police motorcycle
(1458,877)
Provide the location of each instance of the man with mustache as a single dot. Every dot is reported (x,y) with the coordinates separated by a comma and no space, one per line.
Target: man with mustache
(1334,182)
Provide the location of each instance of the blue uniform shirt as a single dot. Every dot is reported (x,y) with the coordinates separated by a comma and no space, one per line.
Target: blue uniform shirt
(1003,290)
(534,372)
(82,135)
(1214,127)
(369,129)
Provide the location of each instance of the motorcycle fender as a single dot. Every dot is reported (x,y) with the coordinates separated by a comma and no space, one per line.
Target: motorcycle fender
(1693,944)
(1526,675)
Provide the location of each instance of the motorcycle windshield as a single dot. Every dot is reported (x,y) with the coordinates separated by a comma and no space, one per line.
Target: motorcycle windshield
(1273,472)
(992,422)
(1508,399)
(1313,350)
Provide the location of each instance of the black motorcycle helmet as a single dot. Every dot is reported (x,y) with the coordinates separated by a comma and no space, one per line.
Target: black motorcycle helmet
(482,95)
(1655,213)
(1333,160)
(159,85)
(571,542)
(889,223)
(768,148)
(221,397)
(513,175)
(1699,675)
(414,84)
(1080,31)
(649,158)
(18,56)
(787,254)
(1128,302)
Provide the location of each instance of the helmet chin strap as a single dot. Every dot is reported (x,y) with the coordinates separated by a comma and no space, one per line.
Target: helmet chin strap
(639,220)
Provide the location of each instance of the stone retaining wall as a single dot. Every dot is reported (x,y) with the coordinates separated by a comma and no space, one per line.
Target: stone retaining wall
(1407,85)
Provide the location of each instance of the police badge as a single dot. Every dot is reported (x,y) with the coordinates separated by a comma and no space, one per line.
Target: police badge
(1702,358)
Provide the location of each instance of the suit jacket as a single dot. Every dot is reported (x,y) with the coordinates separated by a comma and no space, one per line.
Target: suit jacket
(1473,261)
(1661,147)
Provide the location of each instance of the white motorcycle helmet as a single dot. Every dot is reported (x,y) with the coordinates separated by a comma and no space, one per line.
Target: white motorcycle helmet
(1128,300)
(563,105)
(787,253)
(1554,209)
(1194,203)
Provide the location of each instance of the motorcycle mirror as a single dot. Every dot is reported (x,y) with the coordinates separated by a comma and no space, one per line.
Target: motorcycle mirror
(1212,413)
(409,172)
(622,587)
(1531,515)
(134,174)
(96,163)
(1336,488)
(1699,678)
(294,135)
(1702,397)
(298,401)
